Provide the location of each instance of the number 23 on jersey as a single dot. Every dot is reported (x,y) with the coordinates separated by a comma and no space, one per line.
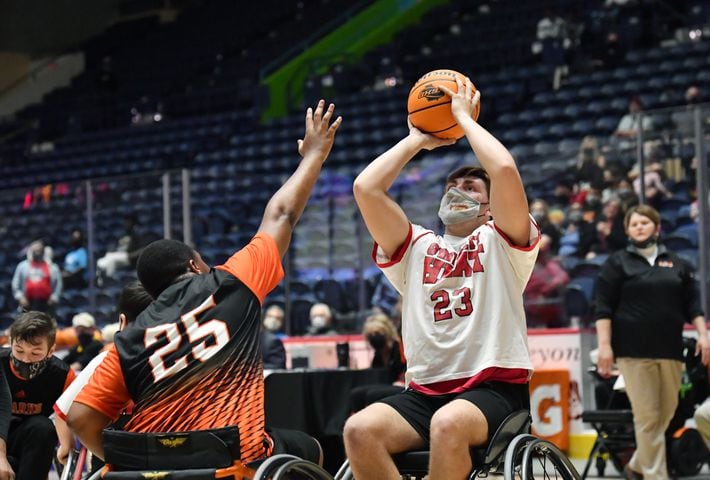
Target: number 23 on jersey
(448,302)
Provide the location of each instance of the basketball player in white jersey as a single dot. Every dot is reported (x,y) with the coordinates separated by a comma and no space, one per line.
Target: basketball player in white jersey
(463,324)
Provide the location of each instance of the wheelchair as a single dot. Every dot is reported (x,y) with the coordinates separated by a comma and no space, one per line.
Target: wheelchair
(613,422)
(512,452)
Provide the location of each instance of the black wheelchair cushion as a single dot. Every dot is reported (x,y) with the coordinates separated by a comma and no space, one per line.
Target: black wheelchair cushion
(412,462)
(216,448)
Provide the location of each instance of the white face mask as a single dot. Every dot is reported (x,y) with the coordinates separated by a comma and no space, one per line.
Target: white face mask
(319,321)
(272,323)
(454,196)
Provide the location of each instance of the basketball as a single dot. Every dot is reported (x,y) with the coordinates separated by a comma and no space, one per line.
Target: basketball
(430,108)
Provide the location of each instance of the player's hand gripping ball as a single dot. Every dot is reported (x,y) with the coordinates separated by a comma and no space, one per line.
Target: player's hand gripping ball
(429,107)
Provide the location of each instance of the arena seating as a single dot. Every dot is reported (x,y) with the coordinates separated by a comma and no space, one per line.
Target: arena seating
(201,82)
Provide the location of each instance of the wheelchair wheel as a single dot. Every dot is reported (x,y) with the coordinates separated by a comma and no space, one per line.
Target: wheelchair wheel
(512,465)
(268,467)
(687,453)
(541,459)
(300,469)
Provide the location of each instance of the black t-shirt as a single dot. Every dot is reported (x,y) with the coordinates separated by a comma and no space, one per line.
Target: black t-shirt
(36,396)
(647,304)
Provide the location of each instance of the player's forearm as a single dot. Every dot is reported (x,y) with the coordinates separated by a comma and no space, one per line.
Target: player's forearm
(381,173)
(63,432)
(290,200)
(494,157)
(88,424)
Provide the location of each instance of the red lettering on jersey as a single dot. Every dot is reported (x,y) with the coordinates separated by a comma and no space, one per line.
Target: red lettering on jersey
(25,408)
(442,263)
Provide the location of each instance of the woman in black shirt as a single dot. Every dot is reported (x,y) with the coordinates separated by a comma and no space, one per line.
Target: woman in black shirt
(644,296)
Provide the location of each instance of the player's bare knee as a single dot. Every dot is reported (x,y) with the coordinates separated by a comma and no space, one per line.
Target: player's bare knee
(447,428)
(360,430)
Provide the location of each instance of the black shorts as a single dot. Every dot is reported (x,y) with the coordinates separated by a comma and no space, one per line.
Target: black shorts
(496,400)
(295,443)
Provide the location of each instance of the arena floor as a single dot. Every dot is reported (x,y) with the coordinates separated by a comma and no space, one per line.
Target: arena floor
(579,463)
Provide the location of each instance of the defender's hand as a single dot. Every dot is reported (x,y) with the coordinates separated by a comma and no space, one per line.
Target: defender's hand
(320,133)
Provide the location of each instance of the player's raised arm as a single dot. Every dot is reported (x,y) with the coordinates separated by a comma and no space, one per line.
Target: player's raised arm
(385,219)
(509,204)
(286,206)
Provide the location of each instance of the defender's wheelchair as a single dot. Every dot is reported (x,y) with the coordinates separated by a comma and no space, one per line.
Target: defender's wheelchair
(512,451)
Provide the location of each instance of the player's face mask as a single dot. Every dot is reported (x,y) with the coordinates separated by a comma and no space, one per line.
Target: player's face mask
(451,211)
(29,370)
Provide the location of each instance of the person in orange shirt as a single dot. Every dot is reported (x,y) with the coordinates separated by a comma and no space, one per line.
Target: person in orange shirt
(192,361)
(36,379)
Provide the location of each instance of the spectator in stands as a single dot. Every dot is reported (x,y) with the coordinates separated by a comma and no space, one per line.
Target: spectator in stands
(381,334)
(540,212)
(108,333)
(590,163)
(224,355)
(6,471)
(644,296)
(611,52)
(588,238)
(37,282)
(563,194)
(683,119)
(467,358)
(274,320)
(321,318)
(36,379)
(610,227)
(75,262)
(386,298)
(272,348)
(543,293)
(654,188)
(89,346)
(125,255)
(627,130)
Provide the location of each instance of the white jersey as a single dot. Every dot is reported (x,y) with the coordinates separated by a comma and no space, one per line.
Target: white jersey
(462,309)
(63,403)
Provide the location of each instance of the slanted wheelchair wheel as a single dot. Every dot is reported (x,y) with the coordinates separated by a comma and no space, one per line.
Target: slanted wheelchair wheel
(543,460)
(512,465)
(687,453)
(269,467)
(300,469)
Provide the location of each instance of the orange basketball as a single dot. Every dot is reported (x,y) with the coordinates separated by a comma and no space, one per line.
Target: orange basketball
(430,108)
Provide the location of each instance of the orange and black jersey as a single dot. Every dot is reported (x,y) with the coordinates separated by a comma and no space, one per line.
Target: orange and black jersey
(192,359)
(36,396)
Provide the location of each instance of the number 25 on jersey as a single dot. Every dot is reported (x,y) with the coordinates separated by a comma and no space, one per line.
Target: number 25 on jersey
(194,336)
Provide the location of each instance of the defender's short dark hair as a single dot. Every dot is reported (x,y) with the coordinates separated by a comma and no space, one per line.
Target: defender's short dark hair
(29,326)
(134,298)
(161,263)
(470,171)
